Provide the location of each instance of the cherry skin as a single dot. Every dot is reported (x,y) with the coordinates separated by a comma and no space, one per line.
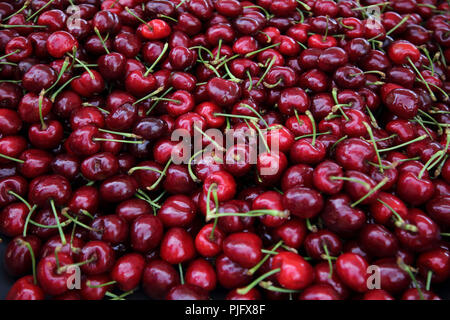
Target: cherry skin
(146,233)
(207,245)
(158,278)
(177,246)
(18,255)
(243,248)
(52,280)
(230,274)
(201,273)
(303,202)
(61,42)
(186,292)
(295,272)
(355,279)
(25,289)
(128,270)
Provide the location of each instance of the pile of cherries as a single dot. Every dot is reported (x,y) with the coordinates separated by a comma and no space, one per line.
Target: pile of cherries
(351,100)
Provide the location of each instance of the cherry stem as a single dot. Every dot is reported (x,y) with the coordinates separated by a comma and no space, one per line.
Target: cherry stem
(40,9)
(407,268)
(143,168)
(167,17)
(372,138)
(382,74)
(180,269)
(11,158)
(438,155)
(118,140)
(373,121)
(311,227)
(433,97)
(313,124)
(20,198)
(302,16)
(252,213)
(208,205)
(163,173)
(151,94)
(266,13)
(157,101)
(78,264)
(27,220)
(307,7)
(400,223)
(25,5)
(143,196)
(256,113)
(252,271)
(238,116)
(87,214)
(9,54)
(191,160)
(404,144)
(21,26)
(33,259)
(219,48)
(361,182)
(163,51)
(272,61)
(420,121)
(139,19)
(324,38)
(124,134)
(58,223)
(398,25)
(116,297)
(255,282)
(97,286)
(97,32)
(218,146)
(371,192)
(65,214)
(251,54)
(429,276)
(61,88)
(328,258)
(269,286)
(64,67)
(82,64)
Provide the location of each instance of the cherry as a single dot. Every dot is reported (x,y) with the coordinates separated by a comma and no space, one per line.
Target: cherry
(20,253)
(158,278)
(25,289)
(146,232)
(61,42)
(53,274)
(243,248)
(201,273)
(297,175)
(128,270)
(295,273)
(118,188)
(12,219)
(230,274)
(323,275)
(303,202)
(208,241)
(426,235)
(186,292)
(339,217)
(356,278)
(378,241)
(177,246)
(319,292)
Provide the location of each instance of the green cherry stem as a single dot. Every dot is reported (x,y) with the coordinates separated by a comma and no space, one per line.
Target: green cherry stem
(255,282)
(58,223)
